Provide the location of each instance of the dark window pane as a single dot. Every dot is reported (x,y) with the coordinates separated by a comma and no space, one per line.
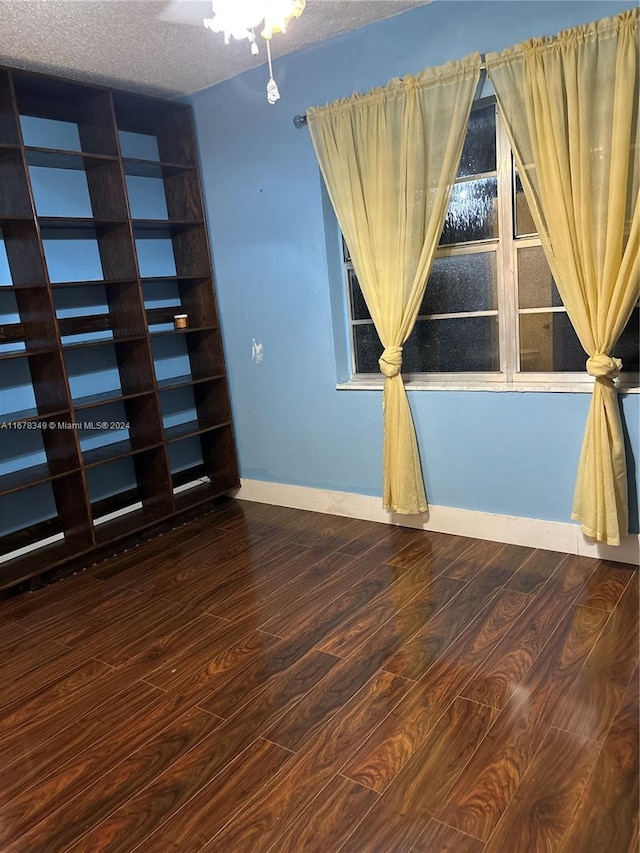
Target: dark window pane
(548,343)
(453,346)
(462,283)
(472,213)
(479,152)
(359,310)
(522,220)
(447,346)
(368,348)
(627,346)
(536,287)
(346,254)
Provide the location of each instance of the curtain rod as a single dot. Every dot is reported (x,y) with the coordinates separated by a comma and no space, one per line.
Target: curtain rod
(301,121)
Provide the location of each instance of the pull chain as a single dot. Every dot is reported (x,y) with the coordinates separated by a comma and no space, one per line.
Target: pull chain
(273,94)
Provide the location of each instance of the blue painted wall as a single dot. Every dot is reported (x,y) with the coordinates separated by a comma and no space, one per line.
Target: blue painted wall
(512,452)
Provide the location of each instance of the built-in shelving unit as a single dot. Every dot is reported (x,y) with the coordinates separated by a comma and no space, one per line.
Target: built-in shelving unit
(112,419)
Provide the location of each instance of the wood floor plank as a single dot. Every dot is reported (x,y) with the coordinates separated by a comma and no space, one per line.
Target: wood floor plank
(220,667)
(366,535)
(232,736)
(141,561)
(184,563)
(262,519)
(11,635)
(130,824)
(487,784)
(345,680)
(197,655)
(16,742)
(35,681)
(55,753)
(508,557)
(251,571)
(67,820)
(594,699)
(606,585)
(264,708)
(295,616)
(277,591)
(290,612)
(80,587)
(192,826)
(398,543)
(508,664)
(115,640)
(282,516)
(536,571)
(467,565)
(259,586)
(259,826)
(390,619)
(329,820)
(417,655)
(53,694)
(407,805)
(325,531)
(81,627)
(607,816)
(37,801)
(430,547)
(440,838)
(278,695)
(542,807)
(134,643)
(351,602)
(55,611)
(225,700)
(325,573)
(385,753)
(322,703)
(24,653)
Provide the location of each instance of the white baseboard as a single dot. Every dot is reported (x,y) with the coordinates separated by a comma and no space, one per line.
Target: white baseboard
(530,532)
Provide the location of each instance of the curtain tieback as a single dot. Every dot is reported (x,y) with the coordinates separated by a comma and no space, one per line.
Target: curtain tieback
(390,361)
(603,366)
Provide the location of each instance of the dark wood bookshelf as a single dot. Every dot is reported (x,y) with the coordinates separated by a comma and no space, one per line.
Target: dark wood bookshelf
(26,416)
(143,492)
(191,428)
(27,477)
(153,168)
(106,397)
(56,158)
(182,381)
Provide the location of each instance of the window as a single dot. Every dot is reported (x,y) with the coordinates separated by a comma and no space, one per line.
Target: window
(491,312)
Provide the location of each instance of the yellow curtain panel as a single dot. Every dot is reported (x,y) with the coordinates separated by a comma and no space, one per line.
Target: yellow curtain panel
(570,104)
(389,159)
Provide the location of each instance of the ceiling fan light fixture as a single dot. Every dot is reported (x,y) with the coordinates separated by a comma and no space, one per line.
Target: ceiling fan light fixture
(239,18)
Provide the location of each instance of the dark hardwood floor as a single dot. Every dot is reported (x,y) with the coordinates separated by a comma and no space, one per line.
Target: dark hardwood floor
(266,679)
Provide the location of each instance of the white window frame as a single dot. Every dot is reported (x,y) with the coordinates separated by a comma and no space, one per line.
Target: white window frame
(509,378)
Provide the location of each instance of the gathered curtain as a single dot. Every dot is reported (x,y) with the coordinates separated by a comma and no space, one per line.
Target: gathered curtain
(389,159)
(570,104)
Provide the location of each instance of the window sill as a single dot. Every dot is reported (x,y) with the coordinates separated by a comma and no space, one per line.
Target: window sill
(460,383)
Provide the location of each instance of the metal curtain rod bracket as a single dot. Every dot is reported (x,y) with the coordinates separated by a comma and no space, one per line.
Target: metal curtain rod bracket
(301,121)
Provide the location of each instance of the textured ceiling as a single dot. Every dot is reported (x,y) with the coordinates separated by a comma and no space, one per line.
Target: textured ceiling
(158,46)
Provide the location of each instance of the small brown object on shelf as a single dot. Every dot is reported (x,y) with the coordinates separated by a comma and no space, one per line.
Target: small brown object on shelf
(181,321)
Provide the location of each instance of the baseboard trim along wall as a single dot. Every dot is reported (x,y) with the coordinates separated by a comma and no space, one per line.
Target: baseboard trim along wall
(530,532)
